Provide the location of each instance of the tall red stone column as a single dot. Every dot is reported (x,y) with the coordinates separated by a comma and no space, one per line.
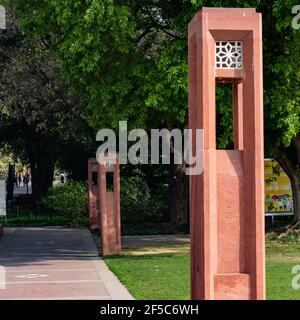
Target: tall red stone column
(104,202)
(227,199)
(110,206)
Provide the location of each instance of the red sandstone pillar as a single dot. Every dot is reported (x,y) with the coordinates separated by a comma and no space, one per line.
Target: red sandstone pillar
(104,202)
(227,199)
(110,206)
(94,199)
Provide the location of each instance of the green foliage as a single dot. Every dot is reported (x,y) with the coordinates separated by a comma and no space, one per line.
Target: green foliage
(135,199)
(69,200)
(92,38)
(224,117)
(140,204)
(40,122)
(127,60)
(5,159)
(44,221)
(134,66)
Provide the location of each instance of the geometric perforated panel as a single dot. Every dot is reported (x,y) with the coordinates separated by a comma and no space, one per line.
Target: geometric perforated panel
(229,54)
(108,165)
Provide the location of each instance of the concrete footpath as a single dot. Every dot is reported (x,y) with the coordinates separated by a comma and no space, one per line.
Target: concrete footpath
(55,264)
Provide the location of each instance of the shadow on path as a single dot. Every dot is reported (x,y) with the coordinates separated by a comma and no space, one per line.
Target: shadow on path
(55,263)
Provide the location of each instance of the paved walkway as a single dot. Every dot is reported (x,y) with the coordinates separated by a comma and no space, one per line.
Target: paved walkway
(55,263)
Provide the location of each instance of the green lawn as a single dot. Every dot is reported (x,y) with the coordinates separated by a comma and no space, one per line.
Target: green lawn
(281,258)
(42,221)
(153,274)
(163,272)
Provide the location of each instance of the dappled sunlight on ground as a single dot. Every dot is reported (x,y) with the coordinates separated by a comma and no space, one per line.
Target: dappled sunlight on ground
(159,250)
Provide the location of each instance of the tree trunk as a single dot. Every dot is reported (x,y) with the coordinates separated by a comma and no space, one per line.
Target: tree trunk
(296,197)
(290,164)
(296,192)
(10,183)
(178,195)
(42,178)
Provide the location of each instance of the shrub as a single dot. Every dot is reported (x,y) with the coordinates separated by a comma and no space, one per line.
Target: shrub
(135,197)
(70,200)
(158,206)
(140,204)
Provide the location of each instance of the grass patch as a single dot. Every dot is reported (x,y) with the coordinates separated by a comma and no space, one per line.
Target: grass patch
(148,229)
(281,256)
(154,273)
(43,221)
(163,272)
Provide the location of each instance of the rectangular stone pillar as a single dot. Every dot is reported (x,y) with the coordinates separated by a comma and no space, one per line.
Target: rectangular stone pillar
(104,202)
(227,199)
(94,196)
(110,205)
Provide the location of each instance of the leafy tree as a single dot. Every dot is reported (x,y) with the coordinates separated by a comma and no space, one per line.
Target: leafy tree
(282,94)
(38,116)
(115,70)
(128,60)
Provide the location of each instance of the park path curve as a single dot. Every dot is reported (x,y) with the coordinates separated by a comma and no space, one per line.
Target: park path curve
(55,264)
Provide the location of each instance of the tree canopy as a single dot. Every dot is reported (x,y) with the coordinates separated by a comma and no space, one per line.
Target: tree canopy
(127,60)
(39,119)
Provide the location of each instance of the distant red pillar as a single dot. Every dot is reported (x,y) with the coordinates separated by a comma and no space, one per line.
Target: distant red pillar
(104,202)
(227,199)
(1,230)
(94,196)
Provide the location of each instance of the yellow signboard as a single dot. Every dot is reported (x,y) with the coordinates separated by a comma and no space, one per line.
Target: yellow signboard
(278,191)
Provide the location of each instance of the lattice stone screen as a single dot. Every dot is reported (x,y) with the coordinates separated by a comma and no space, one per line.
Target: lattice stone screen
(108,165)
(229,54)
